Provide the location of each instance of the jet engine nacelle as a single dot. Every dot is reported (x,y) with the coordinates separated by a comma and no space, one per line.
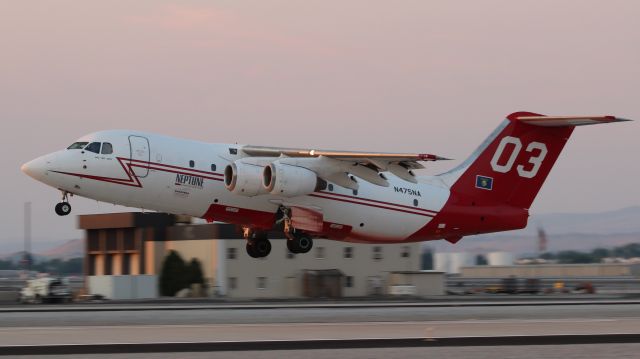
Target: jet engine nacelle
(290,181)
(244,179)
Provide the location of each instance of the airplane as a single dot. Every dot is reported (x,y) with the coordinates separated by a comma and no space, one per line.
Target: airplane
(365,197)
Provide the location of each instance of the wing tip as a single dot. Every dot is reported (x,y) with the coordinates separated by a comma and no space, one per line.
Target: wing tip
(430,157)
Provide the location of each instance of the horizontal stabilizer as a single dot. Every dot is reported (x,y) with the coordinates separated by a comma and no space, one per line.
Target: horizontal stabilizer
(564,121)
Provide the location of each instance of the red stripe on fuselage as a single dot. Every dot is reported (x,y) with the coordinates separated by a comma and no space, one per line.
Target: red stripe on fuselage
(134,180)
(371,205)
(381,202)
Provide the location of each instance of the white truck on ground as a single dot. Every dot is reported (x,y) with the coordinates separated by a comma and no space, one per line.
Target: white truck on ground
(46,290)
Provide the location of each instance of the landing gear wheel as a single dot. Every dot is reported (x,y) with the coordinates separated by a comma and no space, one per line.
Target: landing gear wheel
(258,248)
(250,250)
(304,244)
(300,244)
(262,247)
(63,208)
(291,246)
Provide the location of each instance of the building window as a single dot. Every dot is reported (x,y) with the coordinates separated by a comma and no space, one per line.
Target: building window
(262,283)
(233,282)
(348,281)
(213,167)
(319,252)
(192,163)
(348,252)
(377,253)
(231,253)
(405,253)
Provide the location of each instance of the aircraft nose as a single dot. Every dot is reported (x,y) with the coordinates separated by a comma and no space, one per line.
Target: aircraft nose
(35,169)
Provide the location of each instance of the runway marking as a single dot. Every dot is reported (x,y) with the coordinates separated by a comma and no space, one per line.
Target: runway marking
(320,324)
(315,339)
(318,344)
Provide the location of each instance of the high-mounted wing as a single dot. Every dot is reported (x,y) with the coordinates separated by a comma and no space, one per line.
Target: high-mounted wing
(334,166)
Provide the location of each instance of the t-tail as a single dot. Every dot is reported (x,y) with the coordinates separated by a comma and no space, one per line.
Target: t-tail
(494,188)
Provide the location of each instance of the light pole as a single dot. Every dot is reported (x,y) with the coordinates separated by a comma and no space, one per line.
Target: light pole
(26,259)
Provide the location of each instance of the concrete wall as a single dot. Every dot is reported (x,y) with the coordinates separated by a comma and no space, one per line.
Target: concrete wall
(124,286)
(551,270)
(426,283)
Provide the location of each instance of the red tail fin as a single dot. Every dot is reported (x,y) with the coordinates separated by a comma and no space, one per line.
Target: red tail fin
(493,189)
(513,163)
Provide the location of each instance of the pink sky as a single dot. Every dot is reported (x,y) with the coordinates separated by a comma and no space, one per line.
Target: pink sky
(423,76)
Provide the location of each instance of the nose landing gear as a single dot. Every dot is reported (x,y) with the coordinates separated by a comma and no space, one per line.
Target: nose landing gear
(63,208)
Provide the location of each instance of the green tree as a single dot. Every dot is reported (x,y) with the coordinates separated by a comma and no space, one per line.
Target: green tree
(600,253)
(627,251)
(173,274)
(568,257)
(6,265)
(194,272)
(548,256)
(72,266)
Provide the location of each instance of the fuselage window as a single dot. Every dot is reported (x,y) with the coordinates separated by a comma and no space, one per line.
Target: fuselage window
(415,202)
(107,148)
(213,167)
(77,146)
(192,163)
(93,147)
(330,186)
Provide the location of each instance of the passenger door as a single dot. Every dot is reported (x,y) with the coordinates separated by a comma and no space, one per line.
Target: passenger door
(140,155)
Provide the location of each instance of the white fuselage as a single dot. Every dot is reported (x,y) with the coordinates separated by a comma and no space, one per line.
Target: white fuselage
(179,176)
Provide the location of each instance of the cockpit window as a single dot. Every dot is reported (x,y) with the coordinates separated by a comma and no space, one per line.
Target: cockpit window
(107,148)
(93,147)
(77,146)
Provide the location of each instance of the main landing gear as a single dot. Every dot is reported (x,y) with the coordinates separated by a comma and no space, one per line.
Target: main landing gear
(63,208)
(258,245)
(297,241)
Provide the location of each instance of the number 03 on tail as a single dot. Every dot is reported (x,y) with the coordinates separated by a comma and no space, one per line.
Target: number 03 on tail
(367,197)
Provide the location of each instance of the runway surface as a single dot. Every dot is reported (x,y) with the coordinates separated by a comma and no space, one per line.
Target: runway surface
(600,351)
(417,325)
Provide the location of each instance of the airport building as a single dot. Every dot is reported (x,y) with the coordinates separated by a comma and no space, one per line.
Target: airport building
(553,270)
(125,251)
